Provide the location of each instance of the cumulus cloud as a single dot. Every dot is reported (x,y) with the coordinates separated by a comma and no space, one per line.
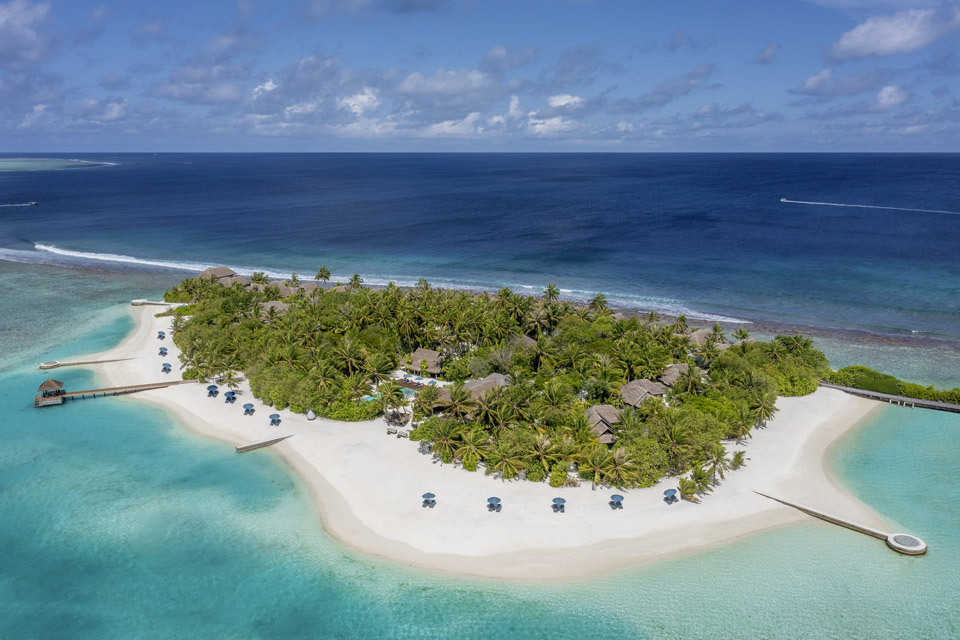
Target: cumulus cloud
(549,127)
(23,43)
(887,99)
(442,81)
(465,127)
(769,53)
(267,86)
(900,32)
(564,100)
(361,103)
(827,84)
(667,91)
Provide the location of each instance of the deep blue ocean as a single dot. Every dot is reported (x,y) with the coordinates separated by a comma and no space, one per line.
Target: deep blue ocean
(120,523)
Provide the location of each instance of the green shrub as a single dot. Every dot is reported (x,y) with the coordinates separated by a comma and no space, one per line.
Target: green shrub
(347,411)
(558,475)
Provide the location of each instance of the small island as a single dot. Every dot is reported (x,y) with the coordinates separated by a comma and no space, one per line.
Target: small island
(530,387)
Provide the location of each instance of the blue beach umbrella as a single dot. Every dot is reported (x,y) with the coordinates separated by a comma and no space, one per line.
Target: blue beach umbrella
(248,406)
(230,394)
(166,365)
(617,497)
(559,501)
(493,500)
(212,387)
(670,492)
(274,416)
(428,496)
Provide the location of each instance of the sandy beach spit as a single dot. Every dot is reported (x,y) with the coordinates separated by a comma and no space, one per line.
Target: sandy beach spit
(368,484)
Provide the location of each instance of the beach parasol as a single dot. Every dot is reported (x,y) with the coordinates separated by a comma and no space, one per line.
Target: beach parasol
(617,497)
(274,416)
(230,394)
(166,365)
(428,496)
(670,493)
(493,500)
(212,387)
(248,406)
(559,501)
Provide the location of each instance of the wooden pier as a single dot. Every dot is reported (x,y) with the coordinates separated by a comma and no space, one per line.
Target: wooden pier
(900,401)
(260,445)
(50,399)
(900,542)
(54,364)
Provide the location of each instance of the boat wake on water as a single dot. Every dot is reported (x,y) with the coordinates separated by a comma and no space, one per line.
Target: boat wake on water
(869,206)
(20,204)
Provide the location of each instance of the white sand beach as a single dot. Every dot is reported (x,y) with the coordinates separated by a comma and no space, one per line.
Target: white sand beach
(368,484)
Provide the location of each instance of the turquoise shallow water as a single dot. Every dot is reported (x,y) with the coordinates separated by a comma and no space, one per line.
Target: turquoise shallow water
(120,523)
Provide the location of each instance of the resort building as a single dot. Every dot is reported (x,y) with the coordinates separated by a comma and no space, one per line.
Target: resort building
(218,273)
(478,388)
(674,371)
(601,419)
(699,337)
(277,306)
(636,392)
(433,360)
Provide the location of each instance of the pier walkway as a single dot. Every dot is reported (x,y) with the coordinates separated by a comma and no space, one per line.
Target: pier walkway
(50,400)
(900,542)
(54,364)
(260,445)
(902,401)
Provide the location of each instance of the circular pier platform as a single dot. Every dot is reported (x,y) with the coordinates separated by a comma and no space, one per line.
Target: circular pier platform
(53,364)
(906,544)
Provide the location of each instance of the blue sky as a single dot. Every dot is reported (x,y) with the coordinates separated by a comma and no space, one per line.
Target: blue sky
(480,75)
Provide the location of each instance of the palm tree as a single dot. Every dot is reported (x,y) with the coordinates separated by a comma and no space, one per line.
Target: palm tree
(739,459)
(717,461)
(294,280)
(445,440)
(356,386)
(426,400)
(743,423)
(688,381)
(598,303)
(688,490)
(460,402)
(702,478)
(620,470)
(718,334)
(551,293)
(473,446)
(593,459)
(378,367)
(230,379)
(323,274)
(504,459)
(741,334)
(680,324)
(391,396)
(259,277)
(762,407)
(543,451)
(355,282)
(350,354)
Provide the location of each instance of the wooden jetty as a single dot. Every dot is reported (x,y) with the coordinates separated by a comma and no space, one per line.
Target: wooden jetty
(52,393)
(54,364)
(901,401)
(900,542)
(260,445)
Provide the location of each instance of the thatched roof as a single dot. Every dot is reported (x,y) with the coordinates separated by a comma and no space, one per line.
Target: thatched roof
(699,337)
(230,280)
(636,392)
(276,305)
(722,346)
(341,288)
(523,341)
(674,371)
(434,361)
(217,272)
(618,316)
(50,385)
(478,388)
(601,419)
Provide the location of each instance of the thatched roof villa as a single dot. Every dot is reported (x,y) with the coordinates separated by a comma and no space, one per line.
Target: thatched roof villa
(601,419)
(636,392)
(434,360)
(217,272)
(478,388)
(50,387)
(278,307)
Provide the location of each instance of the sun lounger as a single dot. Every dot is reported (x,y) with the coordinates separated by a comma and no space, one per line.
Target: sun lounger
(433,503)
(391,431)
(563,508)
(498,507)
(556,508)
(426,503)
(619,505)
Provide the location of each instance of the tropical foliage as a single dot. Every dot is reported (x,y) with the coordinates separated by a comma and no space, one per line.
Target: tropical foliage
(332,350)
(861,377)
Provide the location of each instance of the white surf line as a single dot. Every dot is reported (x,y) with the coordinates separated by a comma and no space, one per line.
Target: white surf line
(869,206)
(22,204)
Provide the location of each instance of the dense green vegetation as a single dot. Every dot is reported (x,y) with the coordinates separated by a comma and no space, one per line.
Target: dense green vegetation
(330,348)
(861,377)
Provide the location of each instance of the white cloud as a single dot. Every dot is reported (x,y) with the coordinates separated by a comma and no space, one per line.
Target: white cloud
(891,96)
(445,82)
(22,44)
(564,100)
(546,127)
(468,126)
(361,103)
(769,53)
(514,111)
(900,32)
(266,87)
(827,84)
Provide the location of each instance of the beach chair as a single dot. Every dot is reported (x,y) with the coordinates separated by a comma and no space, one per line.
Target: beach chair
(498,507)
(433,503)
(556,508)
(491,506)
(426,503)
(619,505)
(563,508)
(613,505)
(674,499)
